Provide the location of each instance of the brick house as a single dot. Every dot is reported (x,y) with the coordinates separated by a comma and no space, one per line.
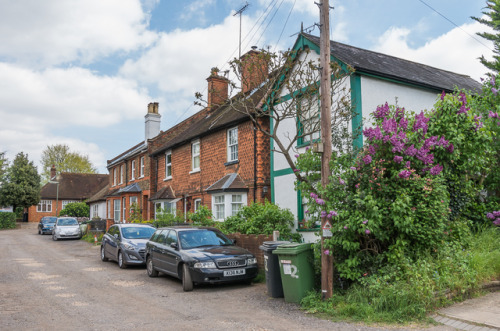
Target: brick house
(66,188)
(129,176)
(216,158)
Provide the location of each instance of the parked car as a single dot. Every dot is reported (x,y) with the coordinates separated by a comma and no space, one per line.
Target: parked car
(198,255)
(66,227)
(46,224)
(126,244)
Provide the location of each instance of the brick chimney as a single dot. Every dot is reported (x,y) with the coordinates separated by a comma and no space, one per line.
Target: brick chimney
(153,119)
(254,69)
(52,172)
(217,89)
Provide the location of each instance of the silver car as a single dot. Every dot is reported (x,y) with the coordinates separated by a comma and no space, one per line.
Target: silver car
(66,227)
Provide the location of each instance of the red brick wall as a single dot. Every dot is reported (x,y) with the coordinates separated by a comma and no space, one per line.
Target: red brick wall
(252,243)
(213,156)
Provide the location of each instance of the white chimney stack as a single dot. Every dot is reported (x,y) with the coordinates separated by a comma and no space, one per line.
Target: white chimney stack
(153,119)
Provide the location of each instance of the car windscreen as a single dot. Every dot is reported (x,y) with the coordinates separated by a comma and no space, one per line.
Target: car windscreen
(49,220)
(203,237)
(67,221)
(137,232)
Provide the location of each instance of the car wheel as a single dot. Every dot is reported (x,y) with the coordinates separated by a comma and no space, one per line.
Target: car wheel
(152,272)
(121,263)
(54,237)
(103,255)
(39,232)
(187,282)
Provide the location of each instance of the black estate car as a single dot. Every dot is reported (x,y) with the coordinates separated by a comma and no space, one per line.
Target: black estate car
(198,255)
(126,243)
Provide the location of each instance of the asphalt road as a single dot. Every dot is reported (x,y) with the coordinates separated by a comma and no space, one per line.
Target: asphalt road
(63,285)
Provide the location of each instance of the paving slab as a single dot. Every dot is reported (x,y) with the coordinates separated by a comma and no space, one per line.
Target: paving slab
(484,311)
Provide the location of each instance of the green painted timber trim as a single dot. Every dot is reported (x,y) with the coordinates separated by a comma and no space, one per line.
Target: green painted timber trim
(357,120)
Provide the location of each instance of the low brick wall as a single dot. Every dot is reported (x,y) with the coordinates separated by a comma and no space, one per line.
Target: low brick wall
(252,242)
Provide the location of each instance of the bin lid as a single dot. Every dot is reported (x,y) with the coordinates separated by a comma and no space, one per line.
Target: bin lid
(269,246)
(293,248)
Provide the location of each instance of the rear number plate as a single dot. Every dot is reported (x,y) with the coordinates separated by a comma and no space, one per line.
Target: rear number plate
(234,272)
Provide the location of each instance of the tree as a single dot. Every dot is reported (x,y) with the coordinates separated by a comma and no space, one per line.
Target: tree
(494,23)
(21,186)
(76,209)
(64,161)
(3,166)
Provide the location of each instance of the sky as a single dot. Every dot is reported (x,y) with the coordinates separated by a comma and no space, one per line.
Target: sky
(82,72)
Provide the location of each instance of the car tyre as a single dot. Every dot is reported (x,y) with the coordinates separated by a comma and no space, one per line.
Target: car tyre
(103,255)
(39,232)
(152,272)
(54,237)
(121,263)
(187,282)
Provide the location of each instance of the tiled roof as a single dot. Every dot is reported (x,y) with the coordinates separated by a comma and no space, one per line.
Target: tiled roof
(391,67)
(74,186)
(137,149)
(164,193)
(211,120)
(99,196)
(228,183)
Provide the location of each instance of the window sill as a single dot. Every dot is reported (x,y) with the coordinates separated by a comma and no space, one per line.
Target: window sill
(195,171)
(231,162)
(140,177)
(167,178)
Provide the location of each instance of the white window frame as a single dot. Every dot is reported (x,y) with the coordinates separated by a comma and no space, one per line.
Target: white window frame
(310,120)
(197,204)
(142,167)
(44,204)
(64,203)
(195,155)
(132,173)
(117,210)
(168,165)
(232,144)
(124,207)
(170,206)
(115,176)
(95,210)
(122,173)
(227,203)
(108,213)
(133,200)
(238,204)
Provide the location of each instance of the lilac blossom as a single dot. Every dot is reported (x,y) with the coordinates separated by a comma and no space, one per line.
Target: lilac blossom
(494,91)
(442,142)
(404,174)
(411,151)
(420,123)
(403,123)
(492,80)
(323,213)
(398,159)
(382,111)
(367,231)
(429,142)
(367,159)
(345,227)
(493,115)
(353,168)
(320,202)
(398,147)
(341,181)
(490,216)
(365,221)
(408,164)
(372,133)
(333,213)
(372,149)
(386,138)
(436,170)
(389,125)
(314,195)
(443,95)
(450,148)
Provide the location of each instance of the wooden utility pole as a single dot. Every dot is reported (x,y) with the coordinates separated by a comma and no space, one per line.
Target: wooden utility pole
(326,140)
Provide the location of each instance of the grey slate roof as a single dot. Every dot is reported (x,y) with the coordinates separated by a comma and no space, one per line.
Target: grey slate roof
(228,183)
(369,62)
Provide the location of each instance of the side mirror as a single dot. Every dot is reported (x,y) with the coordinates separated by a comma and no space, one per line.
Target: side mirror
(174,245)
(116,236)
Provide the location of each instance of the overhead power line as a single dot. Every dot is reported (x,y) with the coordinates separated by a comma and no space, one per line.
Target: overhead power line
(446,18)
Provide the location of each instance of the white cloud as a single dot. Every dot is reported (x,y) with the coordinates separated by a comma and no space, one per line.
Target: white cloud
(53,32)
(195,10)
(37,104)
(455,51)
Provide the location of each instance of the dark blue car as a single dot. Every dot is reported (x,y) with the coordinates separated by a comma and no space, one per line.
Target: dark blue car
(46,224)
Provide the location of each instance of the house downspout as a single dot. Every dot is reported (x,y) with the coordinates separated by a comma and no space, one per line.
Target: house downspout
(254,163)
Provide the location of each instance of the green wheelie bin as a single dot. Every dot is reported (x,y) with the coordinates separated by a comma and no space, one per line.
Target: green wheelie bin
(297,270)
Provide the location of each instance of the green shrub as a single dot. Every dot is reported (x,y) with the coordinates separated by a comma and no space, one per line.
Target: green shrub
(203,217)
(167,219)
(7,220)
(76,209)
(90,237)
(261,218)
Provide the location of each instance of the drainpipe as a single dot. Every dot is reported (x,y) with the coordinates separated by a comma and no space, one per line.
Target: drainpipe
(254,163)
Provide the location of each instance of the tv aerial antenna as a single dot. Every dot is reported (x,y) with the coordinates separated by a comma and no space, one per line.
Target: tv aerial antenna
(239,12)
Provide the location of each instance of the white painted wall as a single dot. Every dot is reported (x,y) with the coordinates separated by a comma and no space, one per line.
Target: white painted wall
(101,209)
